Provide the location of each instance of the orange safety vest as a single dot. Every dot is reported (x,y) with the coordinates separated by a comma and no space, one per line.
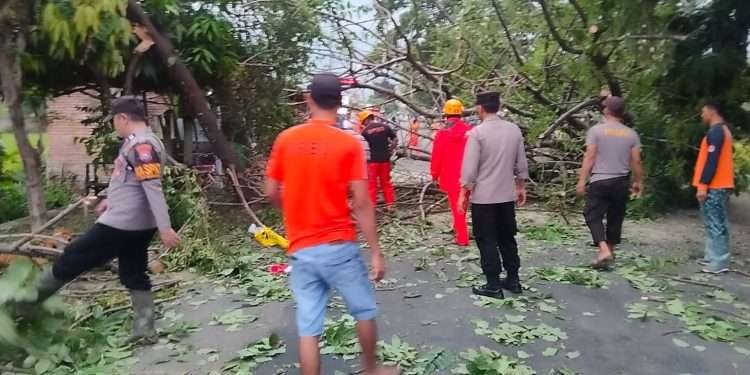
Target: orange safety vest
(724,177)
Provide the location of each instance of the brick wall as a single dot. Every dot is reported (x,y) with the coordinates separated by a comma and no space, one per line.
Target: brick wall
(65,153)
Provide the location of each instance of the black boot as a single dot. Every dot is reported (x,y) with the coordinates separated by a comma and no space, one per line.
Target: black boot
(492,289)
(143,316)
(488,291)
(511,283)
(46,286)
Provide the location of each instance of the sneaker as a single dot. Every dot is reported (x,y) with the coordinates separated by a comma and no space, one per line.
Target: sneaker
(703,262)
(487,291)
(512,285)
(715,271)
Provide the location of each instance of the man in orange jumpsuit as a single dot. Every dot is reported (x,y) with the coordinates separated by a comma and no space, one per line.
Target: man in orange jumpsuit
(445,167)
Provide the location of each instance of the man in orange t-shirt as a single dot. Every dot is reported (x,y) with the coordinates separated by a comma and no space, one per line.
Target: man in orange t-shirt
(312,169)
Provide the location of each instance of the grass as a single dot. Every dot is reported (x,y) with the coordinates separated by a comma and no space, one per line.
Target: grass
(13,159)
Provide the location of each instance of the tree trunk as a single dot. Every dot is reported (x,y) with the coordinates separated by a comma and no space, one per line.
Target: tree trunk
(189,88)
(12,45)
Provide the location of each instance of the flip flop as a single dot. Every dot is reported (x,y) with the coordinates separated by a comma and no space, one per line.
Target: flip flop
(603,264)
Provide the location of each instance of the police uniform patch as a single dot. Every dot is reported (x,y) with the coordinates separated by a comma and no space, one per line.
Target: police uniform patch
(147,164)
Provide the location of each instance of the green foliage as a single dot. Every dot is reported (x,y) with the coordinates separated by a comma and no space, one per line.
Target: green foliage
(249,273)
(705,324)
(59,191)
(340,338)
(46,344)
(554,232)
(522,303)
(507,333)
(398,353)
(189,211)
(742,165)
(573,275)
(92,31)
(489,362)
(255,354)
(642,312)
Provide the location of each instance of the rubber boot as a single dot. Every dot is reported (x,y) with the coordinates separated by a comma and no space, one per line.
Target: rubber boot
(143,316)
(46,286)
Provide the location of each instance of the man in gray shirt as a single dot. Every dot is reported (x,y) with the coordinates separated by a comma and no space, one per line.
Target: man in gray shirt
(493,176)
(612,149)
(135,207)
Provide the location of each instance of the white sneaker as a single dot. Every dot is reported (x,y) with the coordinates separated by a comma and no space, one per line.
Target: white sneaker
(703,262)
(715,271)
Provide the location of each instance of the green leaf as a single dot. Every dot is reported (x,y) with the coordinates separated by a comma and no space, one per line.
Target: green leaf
(573,355)
(549,352)
(523,355)
(742,350)
(42,366)
(8,332)
(680,343)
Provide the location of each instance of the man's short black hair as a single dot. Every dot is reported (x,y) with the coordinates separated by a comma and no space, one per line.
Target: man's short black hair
(131,106)
(489,101)
(716,104)
(325,90)
(491,107)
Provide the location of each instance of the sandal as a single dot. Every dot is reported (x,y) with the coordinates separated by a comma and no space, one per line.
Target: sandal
(603,264)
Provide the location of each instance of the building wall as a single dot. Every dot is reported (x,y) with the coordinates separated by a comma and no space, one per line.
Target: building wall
(65,154)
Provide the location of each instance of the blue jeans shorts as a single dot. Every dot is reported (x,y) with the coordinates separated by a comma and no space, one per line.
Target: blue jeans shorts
(319,269)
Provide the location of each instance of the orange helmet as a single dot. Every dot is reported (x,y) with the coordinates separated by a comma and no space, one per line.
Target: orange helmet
(453,107)
(364,115)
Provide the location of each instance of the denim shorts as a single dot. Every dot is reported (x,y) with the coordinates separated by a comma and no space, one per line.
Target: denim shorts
(319,269)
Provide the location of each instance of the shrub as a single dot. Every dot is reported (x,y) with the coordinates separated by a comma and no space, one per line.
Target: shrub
(742,166)
(58,192)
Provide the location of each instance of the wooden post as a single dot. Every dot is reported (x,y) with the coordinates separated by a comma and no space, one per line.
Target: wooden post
(188,134)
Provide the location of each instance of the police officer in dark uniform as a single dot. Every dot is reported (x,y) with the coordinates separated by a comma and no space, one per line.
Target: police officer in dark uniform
(134,210)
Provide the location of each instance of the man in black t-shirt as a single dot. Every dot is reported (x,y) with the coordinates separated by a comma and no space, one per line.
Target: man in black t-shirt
(382,140)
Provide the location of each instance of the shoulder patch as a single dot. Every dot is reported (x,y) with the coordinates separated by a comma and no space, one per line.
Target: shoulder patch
(147,164)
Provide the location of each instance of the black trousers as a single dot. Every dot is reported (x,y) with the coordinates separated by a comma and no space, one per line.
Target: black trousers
(100,245)
(607,198)
(494,227)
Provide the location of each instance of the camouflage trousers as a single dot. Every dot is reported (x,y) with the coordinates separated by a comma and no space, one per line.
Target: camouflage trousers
(716,222)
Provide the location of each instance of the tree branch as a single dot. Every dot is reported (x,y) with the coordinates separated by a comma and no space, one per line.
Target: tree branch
(581,13)
(400,98)
(555,124)
(504,24)
(564,44)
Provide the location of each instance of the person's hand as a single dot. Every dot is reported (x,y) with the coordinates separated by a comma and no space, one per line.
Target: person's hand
(701,195)
(637,189)
(378,266)
(169,238)
(521,196)
(581,189)
(101,207)
(463,204)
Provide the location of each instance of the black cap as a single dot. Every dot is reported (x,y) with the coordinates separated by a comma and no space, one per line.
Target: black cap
(325,90)
(615,105)
(488,97)
(129,105)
